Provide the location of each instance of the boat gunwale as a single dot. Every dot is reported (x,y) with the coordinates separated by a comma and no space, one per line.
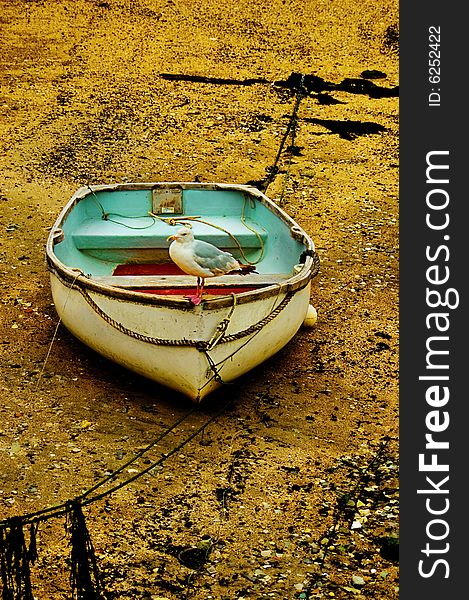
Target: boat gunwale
(74,278)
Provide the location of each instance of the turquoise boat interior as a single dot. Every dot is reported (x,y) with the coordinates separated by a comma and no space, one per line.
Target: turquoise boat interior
(111,231)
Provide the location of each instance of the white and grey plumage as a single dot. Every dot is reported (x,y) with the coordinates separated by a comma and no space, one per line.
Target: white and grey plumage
(199,258)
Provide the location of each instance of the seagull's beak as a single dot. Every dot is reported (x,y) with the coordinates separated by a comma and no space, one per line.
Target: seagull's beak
(171,238)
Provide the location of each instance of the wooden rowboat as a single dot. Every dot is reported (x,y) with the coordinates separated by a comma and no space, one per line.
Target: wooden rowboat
(116,289)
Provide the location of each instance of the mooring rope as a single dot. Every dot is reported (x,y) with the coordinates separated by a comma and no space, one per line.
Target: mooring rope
(291,129)
(155,464)
(222,327)
(137,456)
(54,336)
(16,557)
(215,367)
(59,509)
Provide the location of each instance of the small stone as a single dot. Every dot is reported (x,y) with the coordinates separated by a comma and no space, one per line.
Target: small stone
(383,574)
(266,553)
(15,448)
(358,581)
(205,543)
(325,540)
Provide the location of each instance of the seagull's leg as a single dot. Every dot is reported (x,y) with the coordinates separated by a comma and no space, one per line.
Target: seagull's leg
(201,288)
(197,298)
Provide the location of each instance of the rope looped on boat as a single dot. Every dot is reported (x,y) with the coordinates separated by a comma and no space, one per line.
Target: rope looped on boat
(202,345)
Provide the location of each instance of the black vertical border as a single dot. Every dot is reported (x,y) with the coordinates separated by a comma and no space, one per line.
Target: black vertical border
(424,128)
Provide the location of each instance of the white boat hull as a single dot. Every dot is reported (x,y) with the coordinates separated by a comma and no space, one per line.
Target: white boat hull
(115,289)
(158,341)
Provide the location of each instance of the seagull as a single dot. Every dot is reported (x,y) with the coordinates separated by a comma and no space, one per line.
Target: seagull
(199,258)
